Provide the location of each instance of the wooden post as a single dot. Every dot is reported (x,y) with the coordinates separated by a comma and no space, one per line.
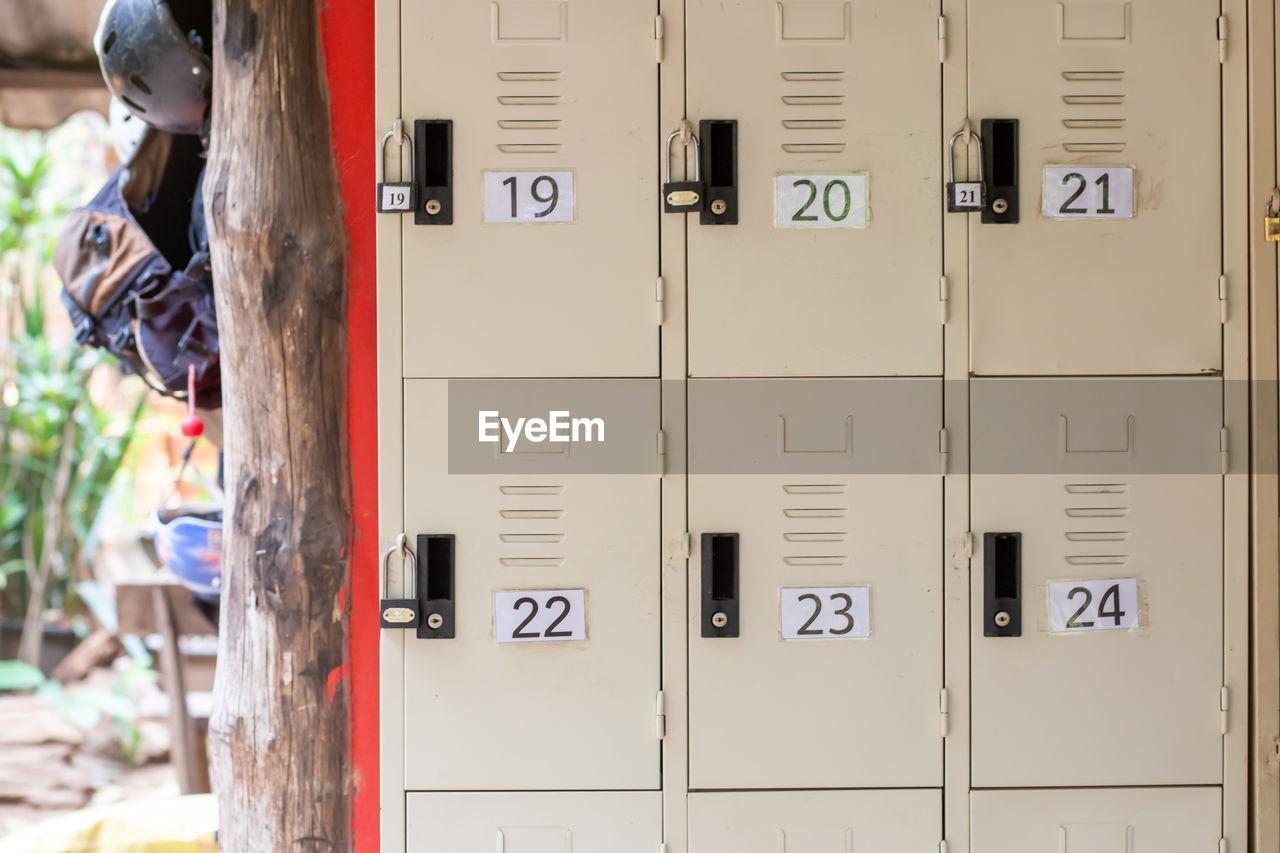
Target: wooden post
(279,732)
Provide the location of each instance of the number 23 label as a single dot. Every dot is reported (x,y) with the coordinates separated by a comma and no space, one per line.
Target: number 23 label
(825,612)
(539,615)
(528,196)
(1093,605)
(1088,192)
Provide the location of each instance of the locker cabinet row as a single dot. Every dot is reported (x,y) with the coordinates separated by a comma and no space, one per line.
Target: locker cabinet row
(821,144)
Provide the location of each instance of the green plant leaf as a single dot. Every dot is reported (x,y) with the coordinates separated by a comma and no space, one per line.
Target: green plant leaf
(16,675)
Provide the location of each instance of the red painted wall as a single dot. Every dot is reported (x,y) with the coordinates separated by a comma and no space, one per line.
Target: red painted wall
(348,43)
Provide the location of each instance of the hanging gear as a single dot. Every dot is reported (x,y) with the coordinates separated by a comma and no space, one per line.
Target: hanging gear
(135,270)
(155,58)
(189,544)
(127,130)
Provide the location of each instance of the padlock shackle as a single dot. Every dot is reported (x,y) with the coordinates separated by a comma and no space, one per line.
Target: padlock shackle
(402,545)
(697,155)
(405,138)
(951,155)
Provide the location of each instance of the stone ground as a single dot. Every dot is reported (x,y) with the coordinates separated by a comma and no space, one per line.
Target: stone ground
(49,767)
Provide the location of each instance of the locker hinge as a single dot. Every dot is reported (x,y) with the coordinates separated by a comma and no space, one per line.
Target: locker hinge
(962,553)
(659,37)
(1222,38)
(943,846)
(1222,845)
(660,298)
(942,299)
(1224,705)
(660,714)
(1222,299)
(686,545)
(944,713)
(662,453)
(942,38)
(662,848)
(944,449)
(1223,452)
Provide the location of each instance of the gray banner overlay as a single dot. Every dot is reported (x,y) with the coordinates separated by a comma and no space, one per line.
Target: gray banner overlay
(1001,426)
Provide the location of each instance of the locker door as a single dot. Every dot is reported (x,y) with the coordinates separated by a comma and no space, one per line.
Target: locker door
(1106,93)
(815,821)
(806,284)
(582,822)
(1108,669)
(519,700)
(1167,820)
(554,106)
(832,678)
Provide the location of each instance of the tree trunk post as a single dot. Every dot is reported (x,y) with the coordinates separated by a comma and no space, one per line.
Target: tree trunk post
(279,733)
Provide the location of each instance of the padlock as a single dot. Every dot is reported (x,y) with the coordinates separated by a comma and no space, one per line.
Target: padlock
(399,612)
(684,196)
(1271,221)
(401,196)
(965,196)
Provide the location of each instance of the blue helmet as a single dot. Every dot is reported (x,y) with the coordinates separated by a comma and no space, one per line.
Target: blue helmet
(189,543)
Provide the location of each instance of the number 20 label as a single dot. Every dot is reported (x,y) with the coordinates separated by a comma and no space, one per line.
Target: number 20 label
(539,615)
(825,612)
(528,196)
(1088,192)
(821,201)
(1093,605)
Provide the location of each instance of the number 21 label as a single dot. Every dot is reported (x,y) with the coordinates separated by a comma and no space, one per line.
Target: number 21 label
(528,196)
(1093,605)
(825,612)
(1088,192)
(539,615)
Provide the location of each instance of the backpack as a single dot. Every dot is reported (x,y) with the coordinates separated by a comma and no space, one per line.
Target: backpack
(135,269)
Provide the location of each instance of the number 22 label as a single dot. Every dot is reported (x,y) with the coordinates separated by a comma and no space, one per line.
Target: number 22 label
(528,197)
(539,615)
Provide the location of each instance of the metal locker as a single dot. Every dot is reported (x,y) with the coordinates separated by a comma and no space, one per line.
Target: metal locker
(815,511)
(1114,166)
(549,264)
(550,676)
(815,821)
(1099,820)
(581,822)
(832,267)
(1097,582)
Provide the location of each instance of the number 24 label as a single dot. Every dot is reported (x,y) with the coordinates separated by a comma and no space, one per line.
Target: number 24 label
(539,615)
(825,612)
(1093,605)
(1088,192)
(528,196)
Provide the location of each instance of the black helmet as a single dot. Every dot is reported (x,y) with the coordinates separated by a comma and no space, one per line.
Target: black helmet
(155,59)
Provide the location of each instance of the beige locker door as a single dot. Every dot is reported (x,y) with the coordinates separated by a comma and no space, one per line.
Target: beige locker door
(1094,83)
(1111,483)
(582,822)
(806,82)
(561,714)
(1118,820)
(535,87)
(815,822)
(833,488)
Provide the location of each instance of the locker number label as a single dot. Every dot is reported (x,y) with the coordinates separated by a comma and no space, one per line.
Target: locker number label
(825,612)
(821,201)
(1093,605)
(540,615)
(528,196)
(1088,192)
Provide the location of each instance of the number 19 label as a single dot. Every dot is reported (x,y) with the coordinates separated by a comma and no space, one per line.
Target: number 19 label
(825,612)
(528,196)
(1093,605)
(821,201)
(1088,192)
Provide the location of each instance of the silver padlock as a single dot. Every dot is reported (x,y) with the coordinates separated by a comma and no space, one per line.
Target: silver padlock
(684,196)
(965,196)
(401,196)
(399,612)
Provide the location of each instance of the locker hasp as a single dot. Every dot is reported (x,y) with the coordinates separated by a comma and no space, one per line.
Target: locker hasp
(399,612)
(965,196)
(1002,584)
(1000,162)
(400,196)
(719,584)
(436,585)
(718,161)
(684,196)
(1271,219)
